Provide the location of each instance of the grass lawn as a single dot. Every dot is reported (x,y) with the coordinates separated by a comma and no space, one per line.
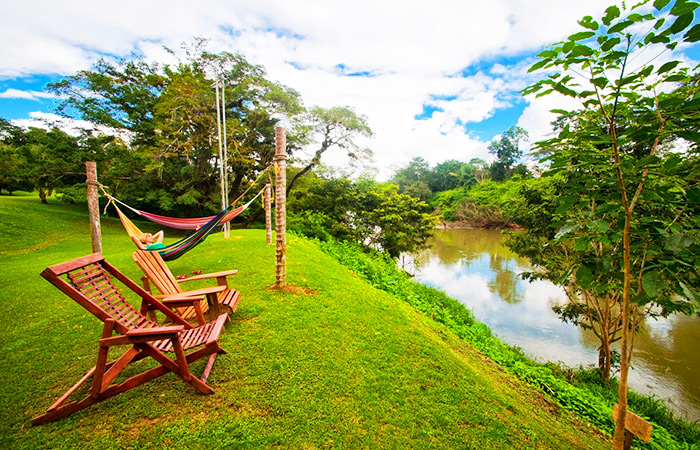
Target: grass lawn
(344,366)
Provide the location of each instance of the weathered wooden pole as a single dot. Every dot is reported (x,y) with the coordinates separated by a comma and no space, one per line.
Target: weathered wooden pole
(268,212)
(93,206)
(281,207)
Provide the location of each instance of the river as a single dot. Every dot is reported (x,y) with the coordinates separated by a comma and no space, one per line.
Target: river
(474,267)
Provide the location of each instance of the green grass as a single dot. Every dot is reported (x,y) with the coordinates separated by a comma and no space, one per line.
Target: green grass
(345,366)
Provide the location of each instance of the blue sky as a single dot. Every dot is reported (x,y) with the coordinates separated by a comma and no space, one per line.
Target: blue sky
(435,79)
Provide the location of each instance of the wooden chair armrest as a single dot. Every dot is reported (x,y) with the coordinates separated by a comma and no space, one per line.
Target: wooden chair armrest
(205,276)
(182,298)
(138,332)
(205,291)
(143,335)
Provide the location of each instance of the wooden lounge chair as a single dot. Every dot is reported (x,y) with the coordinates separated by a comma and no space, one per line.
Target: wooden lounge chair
(157,272)
(90,281)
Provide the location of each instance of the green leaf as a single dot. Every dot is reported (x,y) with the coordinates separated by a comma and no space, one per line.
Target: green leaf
(601,82)
(661,4)
(611,13)
(671,163)
(646,71)
(693,195)
(681,23)
(564,90)
(581,244)
(668,66)
(538,65)
(581,35)
(584,277)
(600,225)
(690,293)
(653,284)
(619,26)
(548,54)
(693,35)
(581,50)
(588,22)
(610,43)
(567,228)
(683,7)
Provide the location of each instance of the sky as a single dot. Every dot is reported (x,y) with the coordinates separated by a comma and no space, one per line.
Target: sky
(436,79)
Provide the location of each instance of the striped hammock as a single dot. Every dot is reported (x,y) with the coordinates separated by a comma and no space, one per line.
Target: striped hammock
(202,226)
(179,248)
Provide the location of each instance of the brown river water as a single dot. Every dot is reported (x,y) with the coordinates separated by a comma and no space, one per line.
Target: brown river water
(475,268)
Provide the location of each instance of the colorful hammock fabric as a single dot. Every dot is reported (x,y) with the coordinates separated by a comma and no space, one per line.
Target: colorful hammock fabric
(179,248)
(184,224)
(202,226)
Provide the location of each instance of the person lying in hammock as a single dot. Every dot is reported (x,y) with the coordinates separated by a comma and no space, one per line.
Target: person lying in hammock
(152,241)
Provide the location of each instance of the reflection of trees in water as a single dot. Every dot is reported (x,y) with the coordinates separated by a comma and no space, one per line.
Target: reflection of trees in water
(505,283)
(465,245)
(669,351)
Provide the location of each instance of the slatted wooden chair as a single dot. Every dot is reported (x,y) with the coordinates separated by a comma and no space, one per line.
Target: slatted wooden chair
(157,272)
(90,281)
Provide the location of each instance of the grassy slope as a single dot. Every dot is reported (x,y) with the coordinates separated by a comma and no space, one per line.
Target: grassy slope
(347,366)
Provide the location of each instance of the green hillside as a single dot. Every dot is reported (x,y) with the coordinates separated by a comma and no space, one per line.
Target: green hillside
(338,364)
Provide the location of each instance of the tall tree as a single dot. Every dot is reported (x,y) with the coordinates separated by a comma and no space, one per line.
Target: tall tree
(169,114)
(628,115)
(507,150)
(335,127)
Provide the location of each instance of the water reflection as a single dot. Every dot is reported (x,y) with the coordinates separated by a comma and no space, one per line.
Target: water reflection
(475,268)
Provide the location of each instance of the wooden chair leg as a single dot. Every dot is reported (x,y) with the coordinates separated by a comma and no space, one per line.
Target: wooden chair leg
(208,367)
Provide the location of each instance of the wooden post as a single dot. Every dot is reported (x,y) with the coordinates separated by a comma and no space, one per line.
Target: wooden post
(93,206)
(281,207)
(268,211)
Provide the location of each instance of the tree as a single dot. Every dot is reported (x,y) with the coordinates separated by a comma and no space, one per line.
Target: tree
(169,114)
(50,159)
(370,213)
(619,194)
(507,152)
(336,127)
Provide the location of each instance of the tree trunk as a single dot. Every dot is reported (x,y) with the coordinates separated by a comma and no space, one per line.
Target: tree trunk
(42,195)
(626,350)
(314,162)
(604,361)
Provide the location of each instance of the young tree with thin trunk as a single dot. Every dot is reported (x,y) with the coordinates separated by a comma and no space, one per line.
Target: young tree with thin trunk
(630,109)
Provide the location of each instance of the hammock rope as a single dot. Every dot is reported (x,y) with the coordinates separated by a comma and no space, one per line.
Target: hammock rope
(202,226)
(192,223)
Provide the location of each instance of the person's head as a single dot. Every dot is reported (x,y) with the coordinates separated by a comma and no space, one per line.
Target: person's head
(146,238)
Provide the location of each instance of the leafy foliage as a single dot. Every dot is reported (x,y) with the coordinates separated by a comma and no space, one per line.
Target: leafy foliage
(365,211)
(169,117)
(622,203)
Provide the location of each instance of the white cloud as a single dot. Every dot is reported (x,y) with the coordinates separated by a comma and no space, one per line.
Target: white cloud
(416,52)
(47,121)
(26,95)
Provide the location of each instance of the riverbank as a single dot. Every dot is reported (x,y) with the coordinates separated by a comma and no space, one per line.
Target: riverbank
(346,366)
(574,389)
(485,225)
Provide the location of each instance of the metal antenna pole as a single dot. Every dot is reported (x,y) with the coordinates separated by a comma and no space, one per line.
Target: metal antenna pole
(221,155)
(227,225)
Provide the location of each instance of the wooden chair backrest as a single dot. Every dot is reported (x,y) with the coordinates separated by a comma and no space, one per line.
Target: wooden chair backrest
(86,281)
(157,271)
